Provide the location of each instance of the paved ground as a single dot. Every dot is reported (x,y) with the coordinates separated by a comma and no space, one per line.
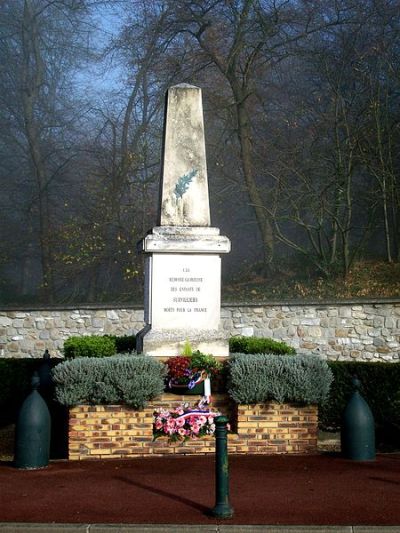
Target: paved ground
(321,490)
(121,528)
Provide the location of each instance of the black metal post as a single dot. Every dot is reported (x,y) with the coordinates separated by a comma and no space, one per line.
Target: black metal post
(222,507)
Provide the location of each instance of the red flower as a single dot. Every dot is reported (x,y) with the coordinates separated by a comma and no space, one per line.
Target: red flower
(179,367)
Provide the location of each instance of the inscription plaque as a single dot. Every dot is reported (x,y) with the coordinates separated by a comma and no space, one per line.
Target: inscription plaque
(185,291)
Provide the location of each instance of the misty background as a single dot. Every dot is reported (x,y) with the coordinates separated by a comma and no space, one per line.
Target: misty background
(301,104)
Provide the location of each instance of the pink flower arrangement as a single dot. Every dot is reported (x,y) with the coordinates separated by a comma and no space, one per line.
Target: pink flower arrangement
(183,423)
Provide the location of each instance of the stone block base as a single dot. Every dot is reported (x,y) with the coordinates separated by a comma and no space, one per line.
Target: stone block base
(115,431)
(169,343)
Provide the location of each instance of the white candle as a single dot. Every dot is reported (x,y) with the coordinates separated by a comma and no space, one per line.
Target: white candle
(207,389)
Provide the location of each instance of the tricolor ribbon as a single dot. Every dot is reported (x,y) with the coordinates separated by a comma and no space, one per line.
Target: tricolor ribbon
(196,412)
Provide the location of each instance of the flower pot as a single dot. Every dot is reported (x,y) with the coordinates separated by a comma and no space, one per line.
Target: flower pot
(198,389)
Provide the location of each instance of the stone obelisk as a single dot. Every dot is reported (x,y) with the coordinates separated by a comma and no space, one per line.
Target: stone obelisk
(182,253)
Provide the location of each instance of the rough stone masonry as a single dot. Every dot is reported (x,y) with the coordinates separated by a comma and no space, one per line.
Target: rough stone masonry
(365,331)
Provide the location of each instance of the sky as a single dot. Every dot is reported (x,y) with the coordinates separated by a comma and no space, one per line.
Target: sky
(104,76)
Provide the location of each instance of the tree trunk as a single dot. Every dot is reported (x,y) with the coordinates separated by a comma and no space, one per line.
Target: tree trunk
(264,224)
(33,76)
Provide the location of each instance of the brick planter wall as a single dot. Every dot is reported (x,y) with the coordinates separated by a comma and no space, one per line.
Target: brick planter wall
(115,431)
(276,428)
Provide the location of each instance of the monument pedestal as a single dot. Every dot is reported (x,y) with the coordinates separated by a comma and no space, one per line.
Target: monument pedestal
(182,291)
(168,343)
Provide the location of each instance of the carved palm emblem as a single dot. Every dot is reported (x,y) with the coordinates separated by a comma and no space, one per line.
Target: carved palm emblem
(183,183)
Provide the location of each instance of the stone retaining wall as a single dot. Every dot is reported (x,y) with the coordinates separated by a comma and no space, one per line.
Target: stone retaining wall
(368,331)
(115,431)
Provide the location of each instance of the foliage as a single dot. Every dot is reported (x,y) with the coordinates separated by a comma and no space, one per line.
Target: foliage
(85,173)
(128,379)
(179,369)
(182,423)
(187,349)
(380,387)
(296,281)
(89,346)
(206,362)
(123,343)
(258,378)
(78,245)
(259,345)
(188,370)
(99,346)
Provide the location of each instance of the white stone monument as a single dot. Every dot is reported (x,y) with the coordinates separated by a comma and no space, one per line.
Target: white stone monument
(183,263)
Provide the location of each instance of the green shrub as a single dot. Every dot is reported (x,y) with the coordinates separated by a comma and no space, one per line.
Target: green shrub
(90,346)
(125,343)
(259,345)
(258,378)
(206,362)
(380,387)
(128,379)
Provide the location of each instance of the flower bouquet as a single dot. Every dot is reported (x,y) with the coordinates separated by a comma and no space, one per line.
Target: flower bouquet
(183,423)
(188,374)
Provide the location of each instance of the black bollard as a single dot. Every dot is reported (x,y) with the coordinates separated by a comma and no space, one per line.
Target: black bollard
(358,428)
(222,507)
(32,436)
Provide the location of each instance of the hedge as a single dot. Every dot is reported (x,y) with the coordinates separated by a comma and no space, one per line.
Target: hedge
(128,379)
(89,346)
(251,345)
(99,345)
(124,343)
(258,378)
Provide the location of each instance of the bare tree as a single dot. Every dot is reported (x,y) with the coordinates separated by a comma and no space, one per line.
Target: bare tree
(41,43)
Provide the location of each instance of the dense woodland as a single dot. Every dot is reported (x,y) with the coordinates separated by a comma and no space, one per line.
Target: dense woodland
(301,102)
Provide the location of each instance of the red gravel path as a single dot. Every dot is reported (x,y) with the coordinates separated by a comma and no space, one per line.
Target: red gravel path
(299,490)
